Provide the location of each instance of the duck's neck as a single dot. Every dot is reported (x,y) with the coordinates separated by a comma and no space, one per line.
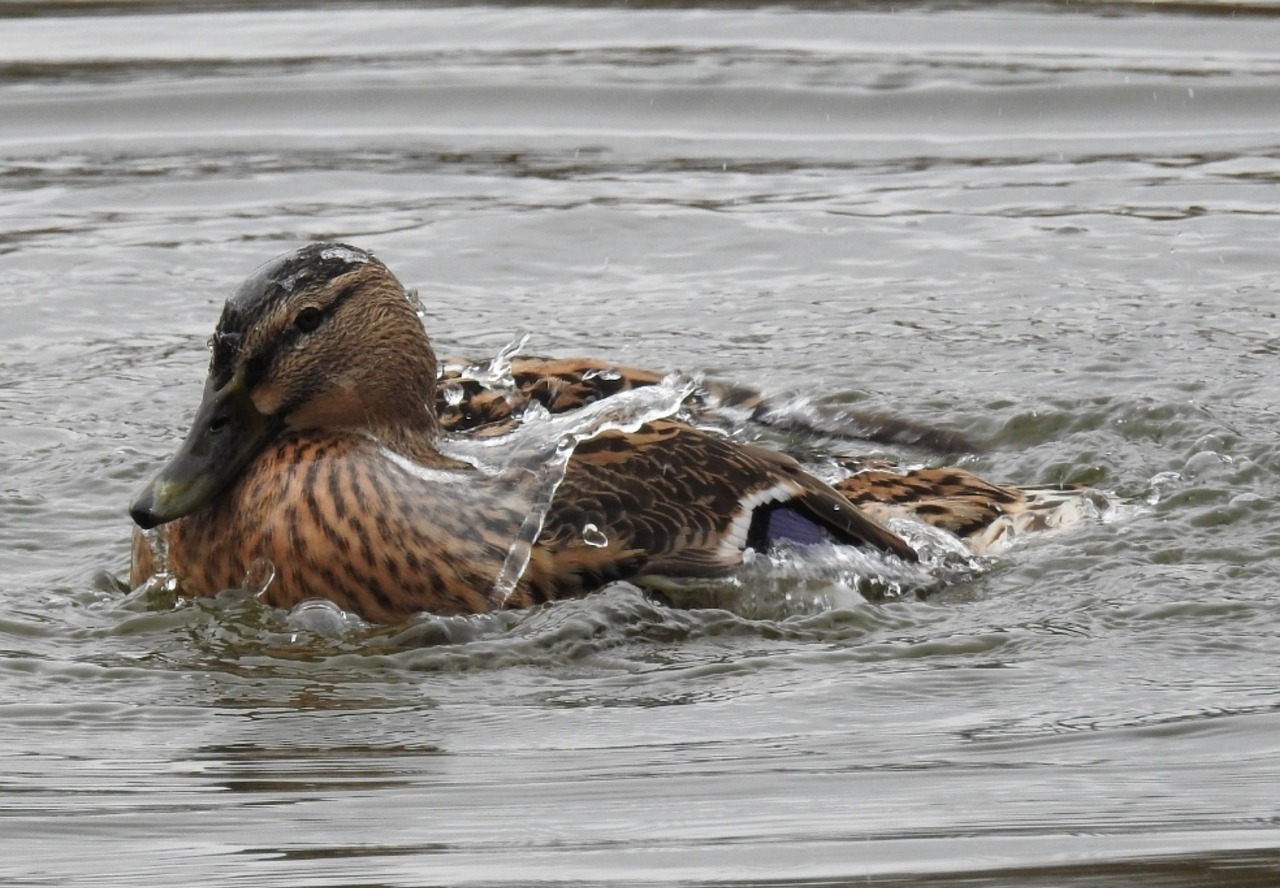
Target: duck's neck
(415,438)
(400,413)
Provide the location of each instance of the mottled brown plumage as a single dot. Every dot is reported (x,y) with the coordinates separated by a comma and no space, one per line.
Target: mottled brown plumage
(316,448)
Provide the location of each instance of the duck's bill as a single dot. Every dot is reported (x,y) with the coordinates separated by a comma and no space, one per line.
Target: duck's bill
(227,433)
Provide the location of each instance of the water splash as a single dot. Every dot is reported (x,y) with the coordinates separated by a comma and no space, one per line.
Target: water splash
(344,253)
(258,578)
(528,463)
(804,417)
(499,369)
(452,393)
(495,374)
(794,580)
(941,553)
(1161,485)
(162,582)
(415,300)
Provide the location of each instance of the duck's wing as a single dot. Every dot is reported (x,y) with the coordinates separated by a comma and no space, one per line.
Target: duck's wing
(485,402)
(671,500)
(985,515)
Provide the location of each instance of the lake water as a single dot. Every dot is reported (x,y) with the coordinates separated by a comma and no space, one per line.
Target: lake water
(1049,226)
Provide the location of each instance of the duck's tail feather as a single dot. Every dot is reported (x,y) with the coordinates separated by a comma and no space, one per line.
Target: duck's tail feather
(987,517)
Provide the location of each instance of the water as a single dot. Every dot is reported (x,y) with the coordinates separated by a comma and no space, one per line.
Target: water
(1049,226)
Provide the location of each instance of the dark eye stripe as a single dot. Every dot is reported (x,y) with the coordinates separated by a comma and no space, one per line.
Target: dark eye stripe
(344,294)
(256,367)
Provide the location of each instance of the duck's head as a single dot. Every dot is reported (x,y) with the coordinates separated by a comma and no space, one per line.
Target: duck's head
(323,338)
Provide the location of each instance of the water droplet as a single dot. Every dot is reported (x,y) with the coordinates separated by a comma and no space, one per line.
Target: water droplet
(608,375)
(594,536)
(534,411)
(158,542)
(159,583)
(418,308)
(258,577)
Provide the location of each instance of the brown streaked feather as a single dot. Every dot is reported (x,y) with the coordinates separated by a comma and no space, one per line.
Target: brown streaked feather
(339,521)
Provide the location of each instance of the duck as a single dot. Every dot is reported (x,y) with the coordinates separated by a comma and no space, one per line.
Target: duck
(318,449)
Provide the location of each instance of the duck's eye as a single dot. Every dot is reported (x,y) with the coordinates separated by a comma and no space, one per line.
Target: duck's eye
(308,319)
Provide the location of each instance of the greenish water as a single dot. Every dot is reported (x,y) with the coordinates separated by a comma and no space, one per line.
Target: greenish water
(1051,227)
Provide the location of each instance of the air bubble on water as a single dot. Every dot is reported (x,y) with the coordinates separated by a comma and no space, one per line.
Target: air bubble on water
(1205,461)
(321,617)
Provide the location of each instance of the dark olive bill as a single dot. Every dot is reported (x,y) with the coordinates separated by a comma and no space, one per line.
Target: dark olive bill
(227,433)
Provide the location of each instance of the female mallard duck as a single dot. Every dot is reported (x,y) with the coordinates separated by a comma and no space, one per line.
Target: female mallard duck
(316,447)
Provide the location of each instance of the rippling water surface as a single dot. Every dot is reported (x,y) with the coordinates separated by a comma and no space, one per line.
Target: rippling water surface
(1050,226)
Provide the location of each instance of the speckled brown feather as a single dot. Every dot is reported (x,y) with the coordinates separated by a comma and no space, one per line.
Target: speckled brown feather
(339,521)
